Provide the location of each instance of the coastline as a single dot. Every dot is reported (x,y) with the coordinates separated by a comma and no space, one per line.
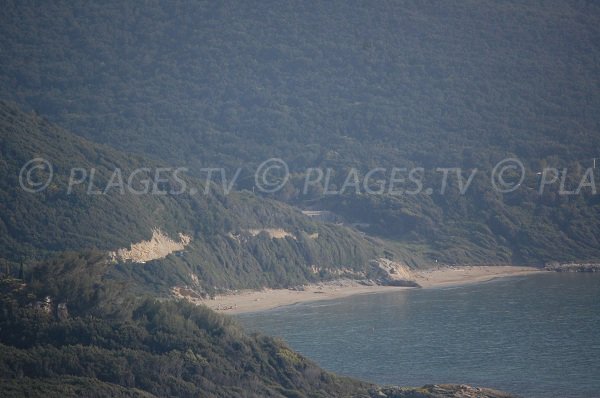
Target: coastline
(254,301)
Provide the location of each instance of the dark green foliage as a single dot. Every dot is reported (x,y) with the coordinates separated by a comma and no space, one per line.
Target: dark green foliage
(335,84)
(222,254)
(150,348)
(68,386)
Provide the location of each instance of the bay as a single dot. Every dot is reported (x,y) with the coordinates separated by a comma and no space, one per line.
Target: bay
(536,336)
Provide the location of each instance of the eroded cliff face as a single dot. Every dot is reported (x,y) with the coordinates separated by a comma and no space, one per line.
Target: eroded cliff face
(395,270)
(273,233)
(159,246)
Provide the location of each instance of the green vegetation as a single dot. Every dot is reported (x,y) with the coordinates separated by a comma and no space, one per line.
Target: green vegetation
(148,348)
(339,84)
(71,330)
(222,255)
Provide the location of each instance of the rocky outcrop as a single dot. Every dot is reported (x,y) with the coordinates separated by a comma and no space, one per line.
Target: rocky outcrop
(273,233)
(159,246)
(394,273)
(62,312)
(44,305)
(573,267)
(341,272)
(440,391)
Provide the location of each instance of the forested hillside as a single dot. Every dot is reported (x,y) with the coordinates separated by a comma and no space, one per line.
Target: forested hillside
(340,84)
(227,248)
(69,330)
(92,93)
(144,349)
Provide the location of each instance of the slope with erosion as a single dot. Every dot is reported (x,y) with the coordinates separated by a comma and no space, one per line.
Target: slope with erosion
(211,241)
(340,85)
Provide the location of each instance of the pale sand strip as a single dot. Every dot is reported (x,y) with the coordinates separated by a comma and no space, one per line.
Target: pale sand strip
(252,300)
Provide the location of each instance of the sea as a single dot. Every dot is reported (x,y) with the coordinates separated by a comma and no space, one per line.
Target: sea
(535,336)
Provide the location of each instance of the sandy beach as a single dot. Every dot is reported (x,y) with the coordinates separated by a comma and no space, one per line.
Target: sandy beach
(252,301)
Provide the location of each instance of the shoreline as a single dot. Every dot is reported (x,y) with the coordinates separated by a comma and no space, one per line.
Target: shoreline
(247,301)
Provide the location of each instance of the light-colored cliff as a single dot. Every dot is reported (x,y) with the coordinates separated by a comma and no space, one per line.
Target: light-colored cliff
(159,246)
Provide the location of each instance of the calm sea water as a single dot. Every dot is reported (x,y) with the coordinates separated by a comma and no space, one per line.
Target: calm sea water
(538,336)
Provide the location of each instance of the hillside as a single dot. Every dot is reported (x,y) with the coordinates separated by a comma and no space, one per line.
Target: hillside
(80,322)
(340,84)
(209,241)
(147,349)
(131,139)
(68,330)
